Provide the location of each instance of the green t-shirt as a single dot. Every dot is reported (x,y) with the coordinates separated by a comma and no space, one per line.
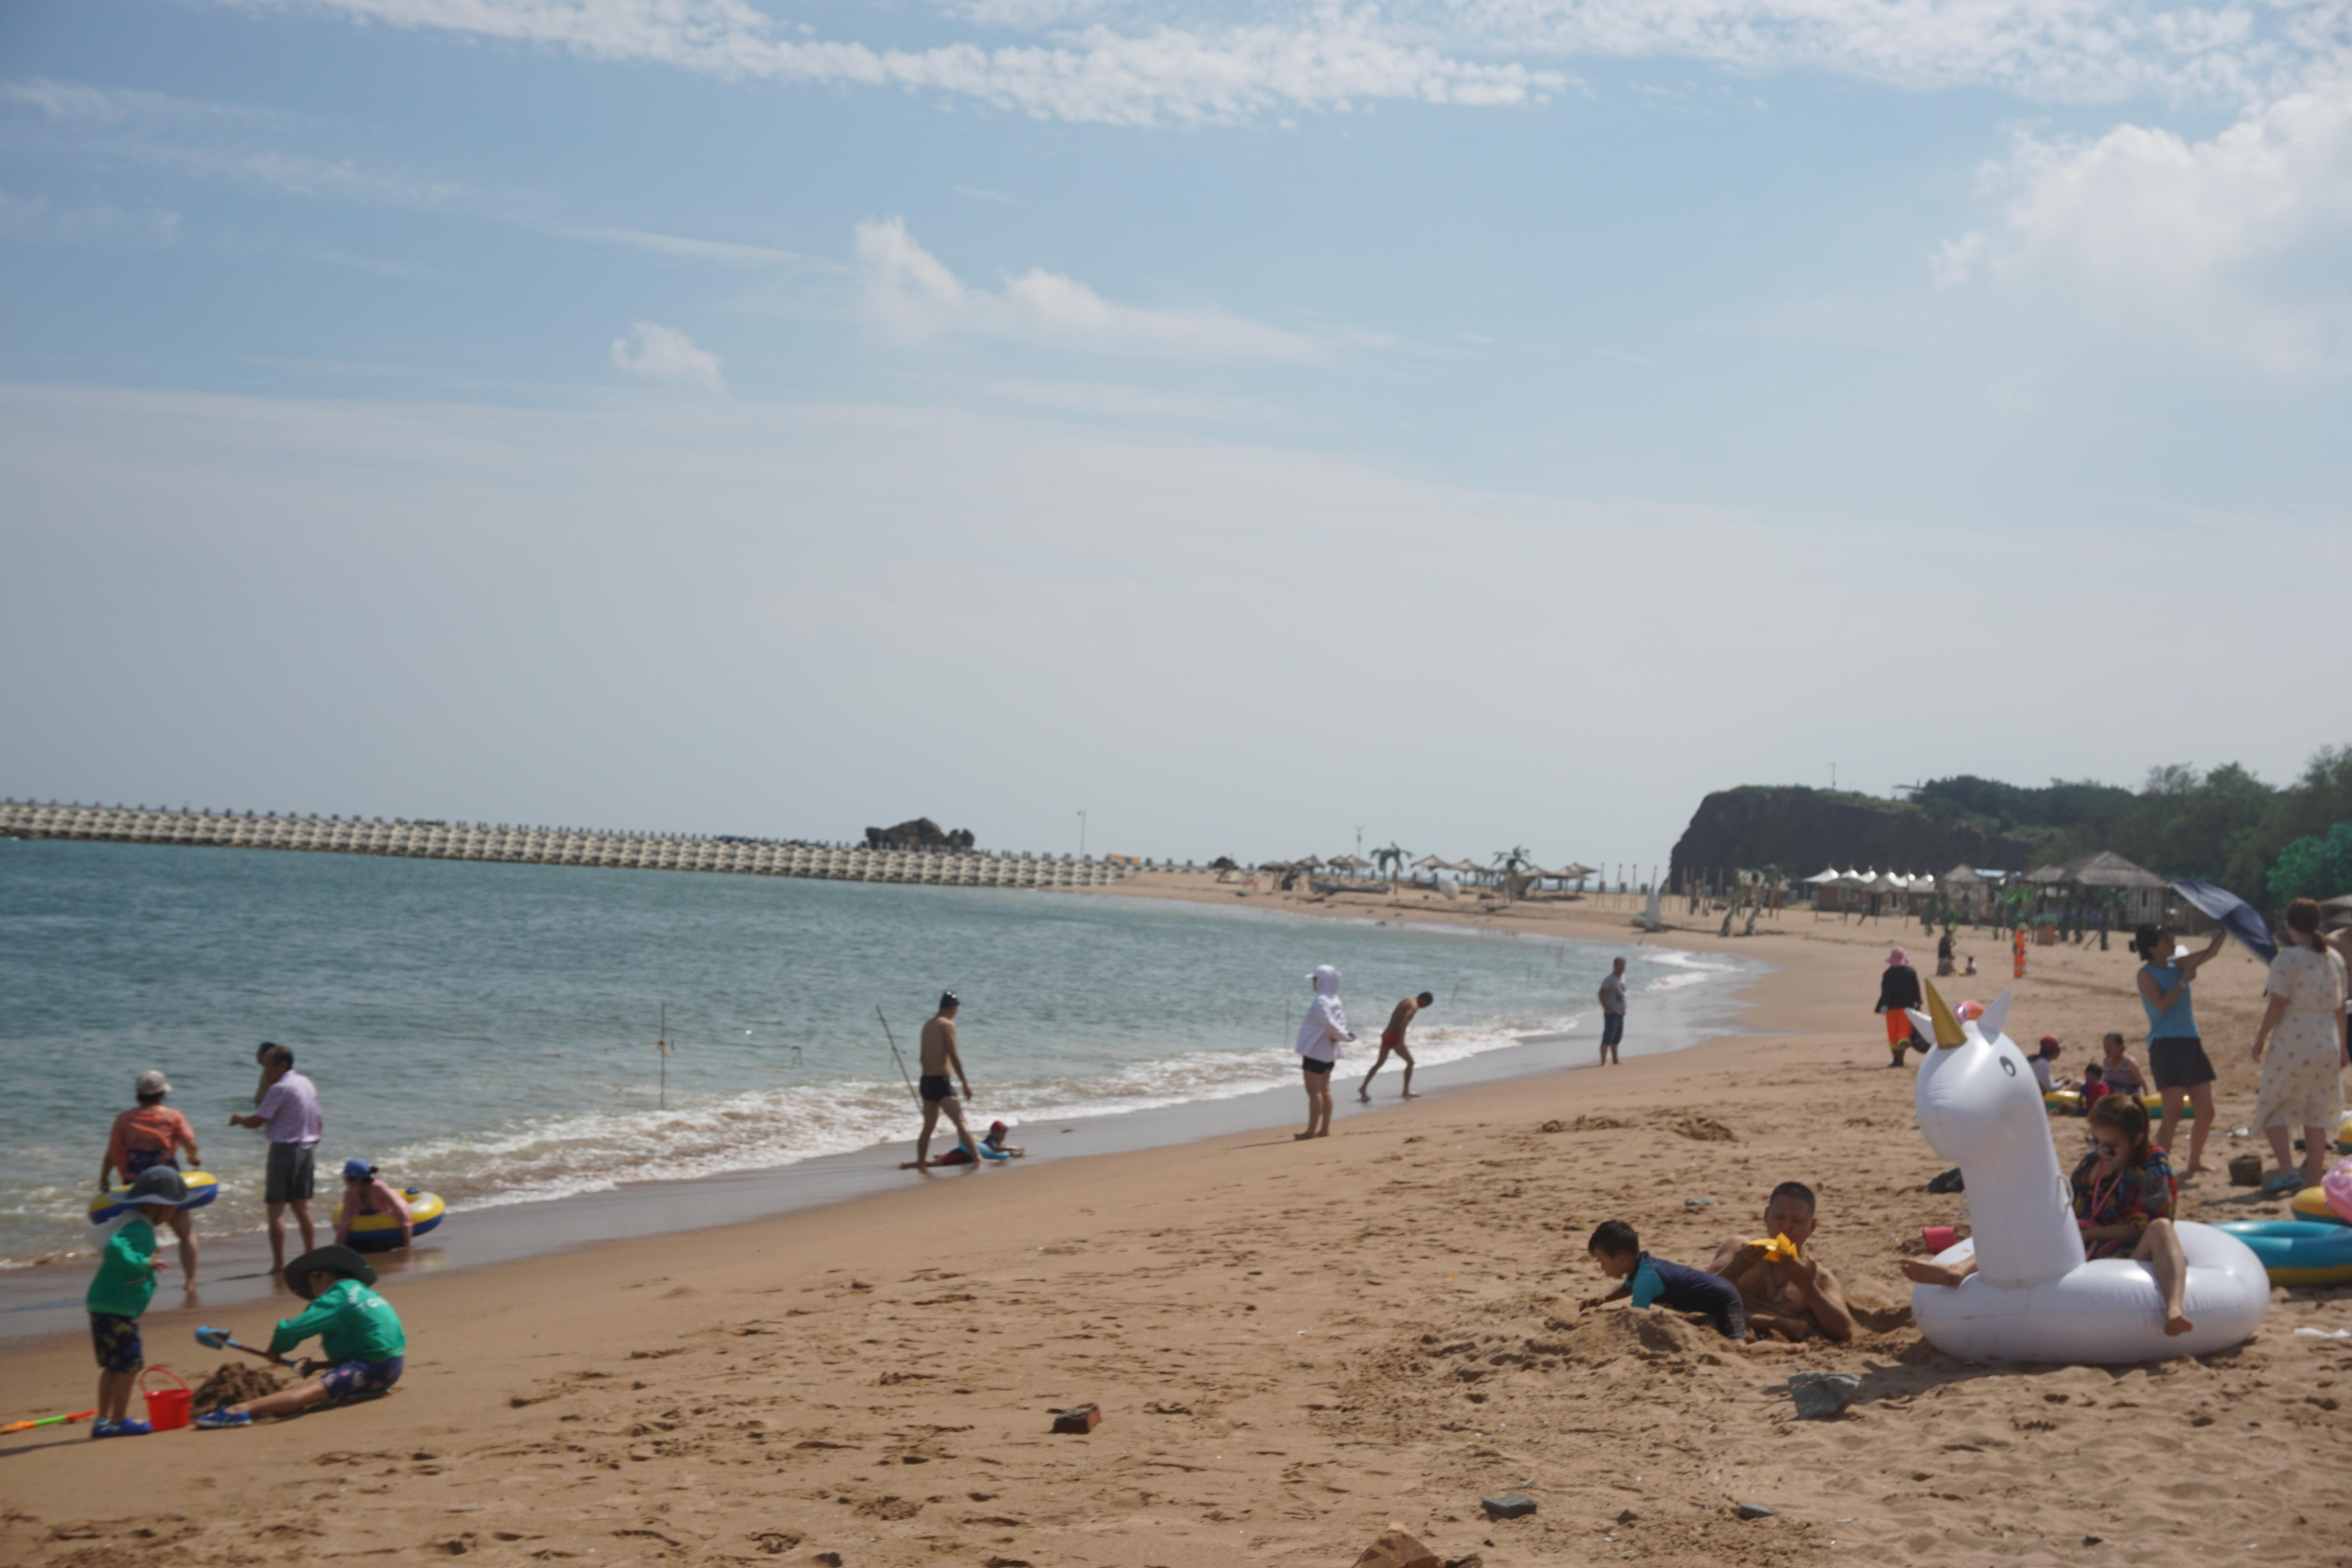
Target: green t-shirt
(353,1322)
(126,1270)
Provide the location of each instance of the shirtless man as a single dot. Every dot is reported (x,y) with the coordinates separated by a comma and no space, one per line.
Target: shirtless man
(1393,1043)
(1786,1301)
(939,1057)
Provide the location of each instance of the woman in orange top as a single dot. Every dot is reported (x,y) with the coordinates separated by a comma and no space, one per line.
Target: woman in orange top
(147,1135)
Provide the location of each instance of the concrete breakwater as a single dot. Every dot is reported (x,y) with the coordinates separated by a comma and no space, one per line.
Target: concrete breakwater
(550,846)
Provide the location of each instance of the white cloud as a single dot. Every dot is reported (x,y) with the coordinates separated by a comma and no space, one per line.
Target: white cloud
(718,252)
(35,218)
(214,140)
(664,353)
(1129,62)
(1317,56)
(1100,400)
(910,295)
(2241,240)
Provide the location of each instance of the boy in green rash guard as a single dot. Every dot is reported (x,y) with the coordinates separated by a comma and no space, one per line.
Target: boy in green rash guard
(123,1285)
(357,1329)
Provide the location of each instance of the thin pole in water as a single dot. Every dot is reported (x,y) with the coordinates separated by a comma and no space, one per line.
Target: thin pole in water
(661,1047)
(897,1057)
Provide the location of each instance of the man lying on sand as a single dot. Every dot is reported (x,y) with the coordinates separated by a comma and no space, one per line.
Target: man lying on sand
(1789,1299)
(939,1059)
(1393,1043)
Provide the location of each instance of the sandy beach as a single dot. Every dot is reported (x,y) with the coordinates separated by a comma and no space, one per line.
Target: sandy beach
(1292,1346)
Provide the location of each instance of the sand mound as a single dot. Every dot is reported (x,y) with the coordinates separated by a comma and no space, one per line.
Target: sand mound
(234,1384)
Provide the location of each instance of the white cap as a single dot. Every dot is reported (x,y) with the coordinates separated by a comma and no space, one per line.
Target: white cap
(153,1082)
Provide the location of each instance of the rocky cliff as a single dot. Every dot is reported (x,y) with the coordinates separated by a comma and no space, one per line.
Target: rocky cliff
(1803,830)
(921,833)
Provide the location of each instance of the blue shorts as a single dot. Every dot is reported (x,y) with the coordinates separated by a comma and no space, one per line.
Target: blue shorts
(1612,1027)
(357,1377)
(116,1339)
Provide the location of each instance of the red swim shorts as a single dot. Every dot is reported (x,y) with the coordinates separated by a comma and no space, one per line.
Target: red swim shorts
(1898,1026)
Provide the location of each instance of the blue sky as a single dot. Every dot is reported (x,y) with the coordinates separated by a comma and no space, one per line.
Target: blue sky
(1487,423)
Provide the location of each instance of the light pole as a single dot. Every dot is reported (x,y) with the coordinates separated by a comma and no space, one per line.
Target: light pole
(1082,836)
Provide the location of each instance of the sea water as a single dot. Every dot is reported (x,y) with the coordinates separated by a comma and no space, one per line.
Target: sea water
(491,1032)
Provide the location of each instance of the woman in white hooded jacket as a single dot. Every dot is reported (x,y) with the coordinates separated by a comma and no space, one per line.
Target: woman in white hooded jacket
(1320,1039)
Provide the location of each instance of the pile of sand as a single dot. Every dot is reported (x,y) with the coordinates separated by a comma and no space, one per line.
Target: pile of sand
(234,1384)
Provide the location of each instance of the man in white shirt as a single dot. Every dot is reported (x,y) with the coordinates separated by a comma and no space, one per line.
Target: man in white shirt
(1612,1011)
(2041,1063)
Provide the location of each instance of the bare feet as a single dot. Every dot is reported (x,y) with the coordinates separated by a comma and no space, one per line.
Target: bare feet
(2177,1323)
(1409,1094)
(1300,1137)
(1919,1271)
(1365,1095)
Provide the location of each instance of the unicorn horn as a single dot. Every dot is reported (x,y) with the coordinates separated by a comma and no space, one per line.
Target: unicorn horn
(1947,1028)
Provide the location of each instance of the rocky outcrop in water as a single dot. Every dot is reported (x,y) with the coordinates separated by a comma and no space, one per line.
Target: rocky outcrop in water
(921,833)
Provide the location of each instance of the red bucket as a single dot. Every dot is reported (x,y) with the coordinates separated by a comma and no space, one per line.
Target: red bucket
(169,1408)
(1940,1237)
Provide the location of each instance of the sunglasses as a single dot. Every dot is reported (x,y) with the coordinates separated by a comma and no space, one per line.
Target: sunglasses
(2102,1146)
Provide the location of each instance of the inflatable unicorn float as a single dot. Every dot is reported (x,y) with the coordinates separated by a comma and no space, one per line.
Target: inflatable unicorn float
(2035,1296)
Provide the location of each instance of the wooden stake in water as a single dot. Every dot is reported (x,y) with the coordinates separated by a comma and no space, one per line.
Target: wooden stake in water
(661,1047)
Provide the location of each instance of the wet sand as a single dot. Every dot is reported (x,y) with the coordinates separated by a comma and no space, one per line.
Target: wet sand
(1292,1345)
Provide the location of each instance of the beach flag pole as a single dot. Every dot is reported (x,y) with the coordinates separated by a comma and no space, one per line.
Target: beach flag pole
(896,1056)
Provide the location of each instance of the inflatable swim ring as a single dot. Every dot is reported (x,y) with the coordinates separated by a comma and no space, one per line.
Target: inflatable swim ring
(202,1190)
(2343,1134)
(2297,1252)
(2070,1101)
(2311,1204)
(2034,1297)
(374,1232)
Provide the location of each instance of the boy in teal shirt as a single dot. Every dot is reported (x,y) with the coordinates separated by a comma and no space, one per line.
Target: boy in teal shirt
(358,1331)
(123,1285)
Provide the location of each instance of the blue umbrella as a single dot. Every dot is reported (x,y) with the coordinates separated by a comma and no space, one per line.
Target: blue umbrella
(2236,916)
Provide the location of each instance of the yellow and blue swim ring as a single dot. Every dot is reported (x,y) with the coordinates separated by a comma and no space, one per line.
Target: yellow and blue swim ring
(374,1232)
(2069,1102)
(2311,1204)
(2297,1252)
(202,1190)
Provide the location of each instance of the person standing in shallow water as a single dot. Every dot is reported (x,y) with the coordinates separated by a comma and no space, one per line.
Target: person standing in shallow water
(939,1057)
(1613,1011)
(1320,1035)
(1393,1043)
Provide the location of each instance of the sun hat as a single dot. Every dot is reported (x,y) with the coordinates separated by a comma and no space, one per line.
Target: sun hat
(161,1185)
(357,1170)
(152,1082)
(340,1261)
(2049,1046)
(1898,957)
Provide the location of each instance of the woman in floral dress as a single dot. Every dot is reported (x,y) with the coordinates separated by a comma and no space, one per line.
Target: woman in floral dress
(2300,1047)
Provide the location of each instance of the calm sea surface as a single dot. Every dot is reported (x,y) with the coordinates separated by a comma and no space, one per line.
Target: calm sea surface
(488,1031)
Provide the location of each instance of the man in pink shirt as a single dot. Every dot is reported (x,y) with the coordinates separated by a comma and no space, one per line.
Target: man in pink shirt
(288,1111)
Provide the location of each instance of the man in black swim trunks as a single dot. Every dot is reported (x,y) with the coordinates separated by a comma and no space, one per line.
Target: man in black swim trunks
(939,1057)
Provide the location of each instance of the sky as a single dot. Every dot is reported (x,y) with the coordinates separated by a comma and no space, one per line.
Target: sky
(1467,423)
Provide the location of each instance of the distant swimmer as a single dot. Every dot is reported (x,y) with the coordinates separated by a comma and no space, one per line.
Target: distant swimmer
(1320,1035)
(939,1058)
(1393,1043)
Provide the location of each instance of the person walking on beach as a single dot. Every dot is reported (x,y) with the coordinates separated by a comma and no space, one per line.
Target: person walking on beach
(2175,1055)
(1899,992)
(1612,1011)
(939,1057)
(1320,1035)
(2301,1049)
(149,1136)
(289,1112)
(1393,1043)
